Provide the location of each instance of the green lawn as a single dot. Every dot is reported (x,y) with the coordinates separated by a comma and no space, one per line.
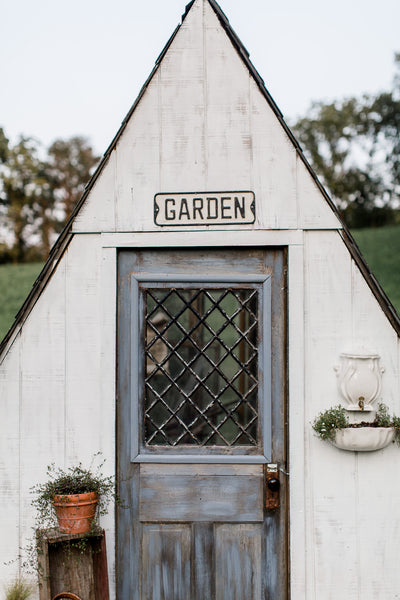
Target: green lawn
(381,250)
(380,247)
(15,284)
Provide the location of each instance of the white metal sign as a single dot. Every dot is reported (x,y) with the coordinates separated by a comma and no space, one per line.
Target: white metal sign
(205,208)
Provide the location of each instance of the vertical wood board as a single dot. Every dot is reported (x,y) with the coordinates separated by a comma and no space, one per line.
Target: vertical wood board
(42,416)
(298,466)
(313,209)
(138,163)
(10,462)
(238,562)
(98,212)
(274,166)
(83,352)
(227,111)
(165,567)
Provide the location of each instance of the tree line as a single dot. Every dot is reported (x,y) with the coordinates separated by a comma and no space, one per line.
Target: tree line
(353,145)
(38,191)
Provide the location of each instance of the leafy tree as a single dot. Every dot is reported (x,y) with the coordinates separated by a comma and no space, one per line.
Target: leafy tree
(354,146)
(3,146)
(70,166)
(22,187)
(38,194)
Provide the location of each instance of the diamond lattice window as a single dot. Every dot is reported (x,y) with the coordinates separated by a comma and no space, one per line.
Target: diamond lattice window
(201,364)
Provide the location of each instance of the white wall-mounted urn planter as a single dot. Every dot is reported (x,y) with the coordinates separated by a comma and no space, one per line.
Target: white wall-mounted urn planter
(363,439)
(359,380)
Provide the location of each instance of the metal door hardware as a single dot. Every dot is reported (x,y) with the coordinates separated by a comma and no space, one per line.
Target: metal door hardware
(272,486)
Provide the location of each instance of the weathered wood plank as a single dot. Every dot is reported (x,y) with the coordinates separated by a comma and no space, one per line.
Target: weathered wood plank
(83,352)
(227,112)
(138,164)
(201,497)
(274,167)
(238,562)
(165,565)
(42,393)
(182,109)
(231,237)
(203,569)
(10,540)
(98,213)
(107,404)
(329,492)
(298,466)
(313,210)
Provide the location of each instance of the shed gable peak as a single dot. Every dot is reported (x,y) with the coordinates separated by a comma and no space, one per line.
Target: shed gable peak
(204,121)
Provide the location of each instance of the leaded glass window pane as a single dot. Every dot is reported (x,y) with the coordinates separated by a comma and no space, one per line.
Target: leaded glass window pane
(201,365)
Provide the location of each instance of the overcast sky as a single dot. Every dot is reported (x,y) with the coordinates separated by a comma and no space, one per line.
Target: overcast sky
(76,67)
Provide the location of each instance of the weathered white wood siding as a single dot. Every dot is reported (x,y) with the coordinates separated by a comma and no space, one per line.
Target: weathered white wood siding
(351,519)
(202,124)
(52,404)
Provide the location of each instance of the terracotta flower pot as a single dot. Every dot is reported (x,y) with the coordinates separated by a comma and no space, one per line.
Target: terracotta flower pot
(75,512)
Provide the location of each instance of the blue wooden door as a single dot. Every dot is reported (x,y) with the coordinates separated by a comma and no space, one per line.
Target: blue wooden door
(201,413)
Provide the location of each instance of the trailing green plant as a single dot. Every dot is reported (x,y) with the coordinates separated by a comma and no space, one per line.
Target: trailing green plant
(328,422)
(20,589)
(396,427)
(382,417)
(74,480)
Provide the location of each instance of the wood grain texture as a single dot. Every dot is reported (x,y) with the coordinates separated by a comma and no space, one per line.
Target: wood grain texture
(165,565)
(227,110)
(298,465)
(83,350)
(238,562)
(314,211)
(10,540)
(98,213)
(203,124)
(203,570)
(343,499)
(42,394)
(198,498)
(66,567)
(184,239)
(201,498)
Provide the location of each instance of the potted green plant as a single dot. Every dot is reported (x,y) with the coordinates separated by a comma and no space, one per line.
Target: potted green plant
(76,497)
(333,425)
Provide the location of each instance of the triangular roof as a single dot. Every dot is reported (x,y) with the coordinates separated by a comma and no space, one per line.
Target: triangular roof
(66,235)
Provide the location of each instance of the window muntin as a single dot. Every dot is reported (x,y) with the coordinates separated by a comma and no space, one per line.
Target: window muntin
(201,366)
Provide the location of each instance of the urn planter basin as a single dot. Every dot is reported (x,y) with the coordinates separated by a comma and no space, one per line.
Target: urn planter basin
(363,439)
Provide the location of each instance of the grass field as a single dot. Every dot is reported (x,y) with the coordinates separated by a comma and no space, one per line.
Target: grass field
(381,250)
(15,284)
(380,247)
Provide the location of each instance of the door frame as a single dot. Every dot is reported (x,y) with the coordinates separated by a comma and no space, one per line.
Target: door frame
(277,522)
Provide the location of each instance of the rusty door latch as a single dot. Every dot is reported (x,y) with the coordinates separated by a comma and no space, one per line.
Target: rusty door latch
(272,486)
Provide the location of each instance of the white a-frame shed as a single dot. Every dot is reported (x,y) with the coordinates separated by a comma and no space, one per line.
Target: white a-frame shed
(187,325)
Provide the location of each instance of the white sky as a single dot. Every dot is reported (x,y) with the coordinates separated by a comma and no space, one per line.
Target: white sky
(76,67)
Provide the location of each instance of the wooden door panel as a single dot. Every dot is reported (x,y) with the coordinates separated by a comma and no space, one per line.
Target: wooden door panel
(238,560)
(166,559)
(201,493)
(227,560)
